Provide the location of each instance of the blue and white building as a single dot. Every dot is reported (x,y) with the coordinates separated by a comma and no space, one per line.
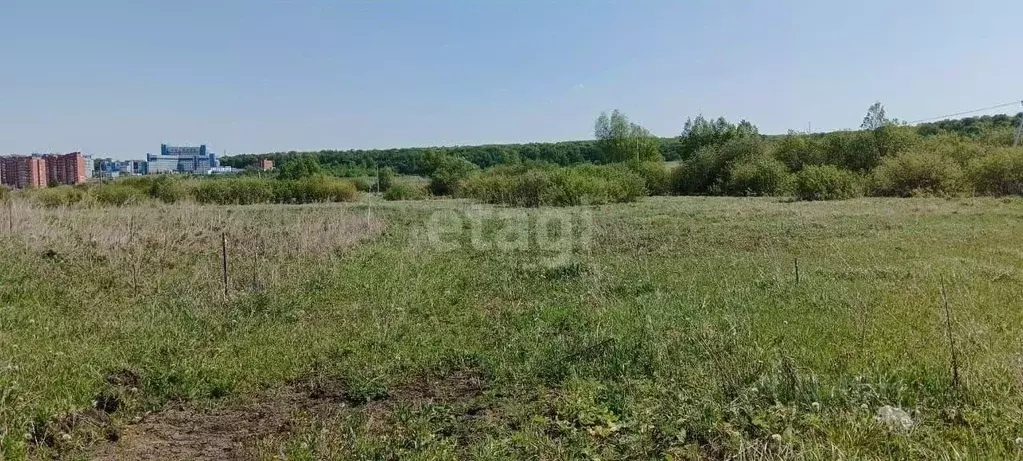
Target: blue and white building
(182,159)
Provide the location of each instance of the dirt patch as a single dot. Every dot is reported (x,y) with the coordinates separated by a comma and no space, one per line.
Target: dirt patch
(231,432)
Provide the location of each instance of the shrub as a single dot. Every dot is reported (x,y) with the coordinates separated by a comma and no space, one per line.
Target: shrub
(314,189)
(655,176)
(405,191)
(53,197)
(298,167)
(826,182)
(953,146)
(385,178)
(362,184)
(234,191)
(5,193)
(758,176)
(448,174)
(116,194)
(917,173)
(164,188)
(799,150)
(707,172)
(998,173)
(580,185)
(851,150)
(168,190)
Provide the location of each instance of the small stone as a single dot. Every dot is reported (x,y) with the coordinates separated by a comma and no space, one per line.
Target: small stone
(816,406)
(894,418)
(1019,440)
(65,436)
(776,437)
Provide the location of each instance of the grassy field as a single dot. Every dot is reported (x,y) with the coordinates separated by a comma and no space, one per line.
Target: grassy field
(671,328)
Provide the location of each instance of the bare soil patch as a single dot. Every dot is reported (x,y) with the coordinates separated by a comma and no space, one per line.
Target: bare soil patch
(231,432)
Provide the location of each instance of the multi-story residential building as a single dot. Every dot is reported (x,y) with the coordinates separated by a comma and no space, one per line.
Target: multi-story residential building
(23,172)
(175,159)
(65,169)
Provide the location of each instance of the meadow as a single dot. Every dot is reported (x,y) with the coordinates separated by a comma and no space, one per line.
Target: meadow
(665,328)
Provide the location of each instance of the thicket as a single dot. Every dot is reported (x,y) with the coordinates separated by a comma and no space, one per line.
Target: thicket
(1000,172)
(535,185)
(916,173)
(827,182)
(405,190)
(241,190)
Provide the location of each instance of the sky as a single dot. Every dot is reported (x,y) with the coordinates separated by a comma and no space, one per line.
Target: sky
(118,78)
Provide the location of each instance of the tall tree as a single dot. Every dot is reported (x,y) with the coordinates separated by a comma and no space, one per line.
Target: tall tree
(621,140)
(700,132)
(876,117)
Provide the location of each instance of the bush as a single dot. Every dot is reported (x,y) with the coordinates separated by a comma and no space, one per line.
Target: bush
(168,190)
(581,185)
(955,147)
(797,151)
(5,193)
(655,176)
(234,191)
(298,167)
(998,173)
(385,178)
(116,194)
(851,150)
(314,189)
(917,173)
(826,182)
(448,174)
(53,197)
(247,191)
(707,172)
(759,176)
(362,184)
(405,191)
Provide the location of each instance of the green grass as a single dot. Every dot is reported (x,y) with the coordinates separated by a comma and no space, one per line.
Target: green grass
(679,331)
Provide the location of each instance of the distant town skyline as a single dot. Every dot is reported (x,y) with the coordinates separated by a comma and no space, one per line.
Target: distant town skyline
(117,78)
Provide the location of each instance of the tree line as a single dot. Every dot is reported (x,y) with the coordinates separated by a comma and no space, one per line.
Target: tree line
(697,133)
(718,157)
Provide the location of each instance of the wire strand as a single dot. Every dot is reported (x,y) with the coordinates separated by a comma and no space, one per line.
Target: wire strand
(965,112)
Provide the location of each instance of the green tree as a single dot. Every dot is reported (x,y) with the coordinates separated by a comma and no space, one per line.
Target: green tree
(448,173)
(621,140)
(699,133)
(875,118)
(300,167)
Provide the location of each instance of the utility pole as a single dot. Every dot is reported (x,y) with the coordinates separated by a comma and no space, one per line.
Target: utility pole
(1019,131)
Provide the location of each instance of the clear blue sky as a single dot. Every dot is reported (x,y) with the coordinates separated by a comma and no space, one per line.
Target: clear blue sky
(120,77)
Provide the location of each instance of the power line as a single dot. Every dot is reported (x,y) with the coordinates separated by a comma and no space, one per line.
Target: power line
(965,112)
